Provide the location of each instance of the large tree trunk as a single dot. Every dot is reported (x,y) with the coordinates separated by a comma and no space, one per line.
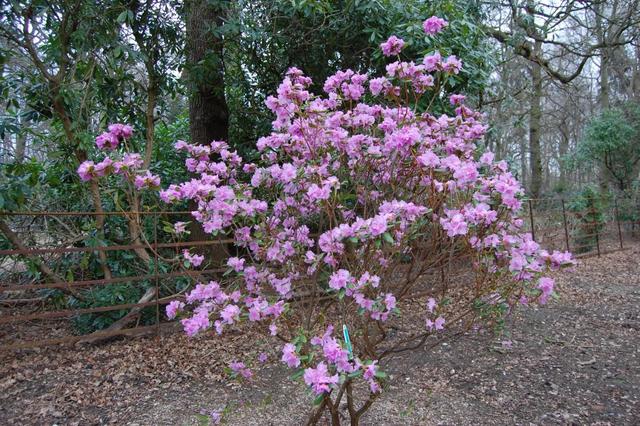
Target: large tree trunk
(535,116)
(208,113)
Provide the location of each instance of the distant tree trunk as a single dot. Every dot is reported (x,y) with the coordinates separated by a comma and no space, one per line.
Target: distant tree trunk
(208,112)
(21,147)
(563,149)
(521,138)
(603,100)
(603,95)
(152,100)
(634,87)
(535,116)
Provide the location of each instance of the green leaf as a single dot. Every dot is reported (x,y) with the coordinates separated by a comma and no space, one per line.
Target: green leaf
(297,374)
(355,374)
(387,237)
(318,400)
(381,374)
(122,18)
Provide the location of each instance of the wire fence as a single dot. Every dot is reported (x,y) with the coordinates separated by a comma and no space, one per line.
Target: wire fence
(591,231)
(49,258)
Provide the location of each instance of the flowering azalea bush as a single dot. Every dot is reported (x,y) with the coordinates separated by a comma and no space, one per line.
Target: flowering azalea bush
(358,196)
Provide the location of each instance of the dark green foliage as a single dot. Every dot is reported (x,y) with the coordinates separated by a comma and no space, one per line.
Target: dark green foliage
(612,143)
(321,37)
(589,207)
(109,295)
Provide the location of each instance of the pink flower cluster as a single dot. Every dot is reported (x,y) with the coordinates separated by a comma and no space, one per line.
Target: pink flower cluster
(117,133)
(317,145)
(238,368)
(128,166)
(434,25)
(336,361)
(384,185)
(393,46)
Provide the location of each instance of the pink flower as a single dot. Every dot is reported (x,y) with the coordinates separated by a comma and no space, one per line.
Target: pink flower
(194,259)
(438,324)
(273,329)
(428,159)
(487,158)
(180,227)
(86,171)
(107,141)
(239,368)
(317,193)
(200,321)
(130,162)
(378,225)
(121,130)
(377,85)
(392,46)
(432,62)
(434,25)
(431,304)
(104,168)
(216,417)
(545,285)
(236,263)
(454,224)
(390,301)
(173,308)
(289,355)
(230,314)
(457,99)
(452,64)
(339,279)
(370,371)
(147,181)
(319,379)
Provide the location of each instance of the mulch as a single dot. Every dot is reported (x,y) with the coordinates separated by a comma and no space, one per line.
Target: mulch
(573,361)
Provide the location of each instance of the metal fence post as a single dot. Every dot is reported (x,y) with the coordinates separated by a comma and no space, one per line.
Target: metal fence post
(566,230)
(597,238)
(155,271)
(533,231)
(616,212)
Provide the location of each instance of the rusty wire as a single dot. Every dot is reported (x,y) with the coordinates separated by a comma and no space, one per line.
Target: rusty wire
(562,231)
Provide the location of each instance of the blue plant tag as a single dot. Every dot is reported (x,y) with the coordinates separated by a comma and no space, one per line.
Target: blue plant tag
(347,341)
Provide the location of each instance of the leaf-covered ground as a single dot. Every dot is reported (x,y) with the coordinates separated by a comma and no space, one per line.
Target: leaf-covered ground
(574,361)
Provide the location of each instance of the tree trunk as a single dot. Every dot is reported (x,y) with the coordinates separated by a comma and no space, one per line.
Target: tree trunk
(208,113)
(535,116)
(152,99)
(563,149)
(520,136)
(603,95)
(634,87)
(21,147)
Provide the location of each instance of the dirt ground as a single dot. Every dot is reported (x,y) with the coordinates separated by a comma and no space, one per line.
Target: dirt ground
(574,361)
